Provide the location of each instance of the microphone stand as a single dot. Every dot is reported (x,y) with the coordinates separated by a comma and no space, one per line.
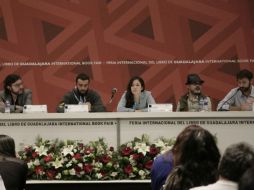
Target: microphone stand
(114,90)
(221,107)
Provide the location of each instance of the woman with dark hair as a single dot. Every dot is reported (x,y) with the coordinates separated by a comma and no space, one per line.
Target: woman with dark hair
(12,169)
(163,164)
(196,158)
(136,98)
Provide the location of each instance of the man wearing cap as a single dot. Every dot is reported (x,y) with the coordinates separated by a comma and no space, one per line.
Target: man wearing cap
(194,100)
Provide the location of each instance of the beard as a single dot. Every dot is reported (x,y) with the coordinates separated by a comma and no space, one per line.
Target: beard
(82,92)
(18,93)
(196,91)
(245,89)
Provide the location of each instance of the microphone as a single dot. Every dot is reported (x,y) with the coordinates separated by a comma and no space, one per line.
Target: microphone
(3,100)
(221,107)
(113,92)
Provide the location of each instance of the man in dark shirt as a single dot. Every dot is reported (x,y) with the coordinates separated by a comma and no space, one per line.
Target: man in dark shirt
(81,94)
(14,94)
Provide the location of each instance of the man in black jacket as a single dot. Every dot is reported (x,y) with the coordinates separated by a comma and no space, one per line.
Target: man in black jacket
(81,94)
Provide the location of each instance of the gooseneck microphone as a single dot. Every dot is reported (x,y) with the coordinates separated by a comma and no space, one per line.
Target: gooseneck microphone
(221,107)
(113,92)
(3,100)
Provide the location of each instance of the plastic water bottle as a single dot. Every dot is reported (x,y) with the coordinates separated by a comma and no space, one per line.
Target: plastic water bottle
(203,104)
(134,106)
(7,106)
(81,101)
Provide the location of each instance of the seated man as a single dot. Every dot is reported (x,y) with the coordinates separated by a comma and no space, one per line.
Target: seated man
(81,94)
(242,97)
(15,94)
(194,100)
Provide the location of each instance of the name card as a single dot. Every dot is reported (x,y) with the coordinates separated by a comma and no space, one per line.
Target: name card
(75,108)
(160,108)
(35,109)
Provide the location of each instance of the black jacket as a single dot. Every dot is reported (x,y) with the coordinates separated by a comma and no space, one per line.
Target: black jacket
(13,172)
(73,97)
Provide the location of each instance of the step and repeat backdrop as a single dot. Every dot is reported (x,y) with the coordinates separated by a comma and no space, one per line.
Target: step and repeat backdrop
(48,42)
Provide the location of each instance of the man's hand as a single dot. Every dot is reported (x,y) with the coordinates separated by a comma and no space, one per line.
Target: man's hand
(18,109)
(246,107)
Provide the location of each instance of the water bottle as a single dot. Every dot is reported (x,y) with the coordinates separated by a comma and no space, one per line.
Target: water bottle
(81,101)
(7,106)
(203,104)
(134,106)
